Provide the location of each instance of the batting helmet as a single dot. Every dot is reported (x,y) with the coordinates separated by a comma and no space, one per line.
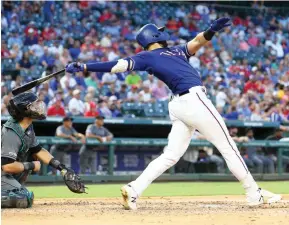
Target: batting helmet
(26,104)
(150,33)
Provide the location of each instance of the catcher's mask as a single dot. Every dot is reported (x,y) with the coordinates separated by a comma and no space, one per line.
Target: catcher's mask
(27,104)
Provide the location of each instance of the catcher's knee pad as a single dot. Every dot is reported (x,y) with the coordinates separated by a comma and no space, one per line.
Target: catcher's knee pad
(17,198)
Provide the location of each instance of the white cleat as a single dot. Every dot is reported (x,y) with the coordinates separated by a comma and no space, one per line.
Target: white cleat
(270,197)
(129,197)
(261,197)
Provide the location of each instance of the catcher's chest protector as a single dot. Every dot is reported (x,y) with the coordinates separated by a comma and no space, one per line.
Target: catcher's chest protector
(13,125)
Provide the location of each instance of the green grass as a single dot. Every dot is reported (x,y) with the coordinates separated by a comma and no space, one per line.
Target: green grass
(160,189)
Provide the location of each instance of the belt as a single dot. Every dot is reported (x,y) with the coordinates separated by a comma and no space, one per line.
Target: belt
(185,92)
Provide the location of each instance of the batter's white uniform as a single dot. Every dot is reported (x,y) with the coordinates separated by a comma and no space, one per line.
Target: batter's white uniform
(189,112)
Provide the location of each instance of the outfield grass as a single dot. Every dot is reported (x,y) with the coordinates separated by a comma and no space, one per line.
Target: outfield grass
(160,189)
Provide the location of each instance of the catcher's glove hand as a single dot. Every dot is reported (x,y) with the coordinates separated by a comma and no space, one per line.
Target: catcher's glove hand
(73,181)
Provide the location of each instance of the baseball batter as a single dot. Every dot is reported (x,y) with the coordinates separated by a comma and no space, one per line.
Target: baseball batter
(20,152)
(189,107)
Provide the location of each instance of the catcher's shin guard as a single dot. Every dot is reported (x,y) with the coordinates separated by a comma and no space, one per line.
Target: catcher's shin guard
(17,198)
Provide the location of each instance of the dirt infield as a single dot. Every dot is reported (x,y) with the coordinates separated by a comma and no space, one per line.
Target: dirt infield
(206,210)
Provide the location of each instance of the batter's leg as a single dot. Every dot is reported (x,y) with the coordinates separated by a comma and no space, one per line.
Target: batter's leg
(178,142)
(210,123)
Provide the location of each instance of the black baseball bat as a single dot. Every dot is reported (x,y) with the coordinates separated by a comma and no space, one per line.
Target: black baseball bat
(35,83)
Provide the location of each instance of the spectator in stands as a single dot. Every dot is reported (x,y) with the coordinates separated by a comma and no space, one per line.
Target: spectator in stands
(48,11)
(31,24)
(31,39)
(67,82)
(109,78)
(104,109)
(47,60)
(24,63)
(67,131)
(263,163)
(17,82)
(37,49)
(123,93)
(91,80)
(114,107)
(92,91)
(65,57)
(160,91)
(221,97)
(85,54)
(56,109)
(99,132)
(4,22)
(232,113)
(48,33)
(132,95)
(76,106)
(133,79)
(56,48)
(112,92)
(145,95)
(16,53)
(80,81)
(15,39)
(5,53)
(5,101)
(92,111)
(75,49)
(106,41)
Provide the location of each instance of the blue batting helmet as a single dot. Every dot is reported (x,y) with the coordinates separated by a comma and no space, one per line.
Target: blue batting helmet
(150,33)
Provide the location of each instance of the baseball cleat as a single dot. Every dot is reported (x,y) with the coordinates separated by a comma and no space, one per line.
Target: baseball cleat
(129,197)
(270,197)
(261,197)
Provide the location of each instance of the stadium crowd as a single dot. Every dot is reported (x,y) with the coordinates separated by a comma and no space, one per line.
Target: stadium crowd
(245,68)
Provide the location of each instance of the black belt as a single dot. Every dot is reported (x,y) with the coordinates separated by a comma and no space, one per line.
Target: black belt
(185,92)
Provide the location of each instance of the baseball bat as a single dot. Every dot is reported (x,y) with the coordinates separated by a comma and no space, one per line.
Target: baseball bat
(35,83)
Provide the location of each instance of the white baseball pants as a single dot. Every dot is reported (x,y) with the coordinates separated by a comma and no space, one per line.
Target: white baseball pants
(189,112)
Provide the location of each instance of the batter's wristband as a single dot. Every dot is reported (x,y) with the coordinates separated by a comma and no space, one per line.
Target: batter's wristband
(209,34)
(56,164)
(28,166)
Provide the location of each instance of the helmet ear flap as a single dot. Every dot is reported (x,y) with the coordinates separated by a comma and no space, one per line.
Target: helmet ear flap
(13,111)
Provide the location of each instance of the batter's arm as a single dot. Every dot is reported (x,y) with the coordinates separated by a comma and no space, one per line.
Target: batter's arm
(195,44)
(203,38)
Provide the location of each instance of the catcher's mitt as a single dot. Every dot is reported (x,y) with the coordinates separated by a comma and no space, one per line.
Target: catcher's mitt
(73,181)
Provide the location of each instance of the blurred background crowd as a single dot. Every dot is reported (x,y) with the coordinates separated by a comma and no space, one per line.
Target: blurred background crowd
(245,68)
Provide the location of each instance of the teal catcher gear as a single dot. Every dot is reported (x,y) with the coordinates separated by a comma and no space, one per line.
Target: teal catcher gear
(150,33)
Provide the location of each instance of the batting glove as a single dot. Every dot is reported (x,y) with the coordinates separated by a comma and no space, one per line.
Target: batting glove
(220,23)
(74,67)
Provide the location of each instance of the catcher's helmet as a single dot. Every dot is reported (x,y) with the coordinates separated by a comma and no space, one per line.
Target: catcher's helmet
(150,33)
(26,104)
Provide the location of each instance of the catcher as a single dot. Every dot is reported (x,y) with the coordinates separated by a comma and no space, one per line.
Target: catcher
(20,152)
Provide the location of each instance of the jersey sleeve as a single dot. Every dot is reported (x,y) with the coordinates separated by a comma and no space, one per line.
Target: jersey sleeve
(184,48)
(89,129)
(138,62)
(10,144)
(59,131)
(107,132)
(74,132)
(35,146)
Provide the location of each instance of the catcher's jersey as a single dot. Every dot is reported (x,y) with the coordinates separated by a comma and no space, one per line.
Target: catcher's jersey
(11,144)
(171,65)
